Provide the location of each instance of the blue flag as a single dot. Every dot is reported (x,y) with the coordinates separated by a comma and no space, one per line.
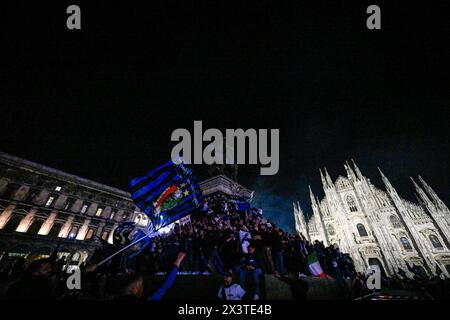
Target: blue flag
(241,206)
(167,193)
(128,232)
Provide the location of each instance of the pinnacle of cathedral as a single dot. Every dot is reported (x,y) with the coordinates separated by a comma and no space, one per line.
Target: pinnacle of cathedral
(387,183)
(358,172)
(430,191)
(350,173)
(328,178)
(312,197)
(324,182)
(383,177)
(423,196)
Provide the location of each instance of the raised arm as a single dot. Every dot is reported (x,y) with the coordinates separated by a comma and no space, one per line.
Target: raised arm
(159,294)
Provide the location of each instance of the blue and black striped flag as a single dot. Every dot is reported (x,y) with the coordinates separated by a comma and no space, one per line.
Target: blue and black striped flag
(167,193)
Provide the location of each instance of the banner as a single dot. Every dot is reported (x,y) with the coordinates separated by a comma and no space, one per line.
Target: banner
(167,193)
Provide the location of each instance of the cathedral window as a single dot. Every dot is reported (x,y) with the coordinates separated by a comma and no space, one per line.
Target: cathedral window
(362,230)
(351,204)
(406,244)
(330,230)
(395,221)
(435,242)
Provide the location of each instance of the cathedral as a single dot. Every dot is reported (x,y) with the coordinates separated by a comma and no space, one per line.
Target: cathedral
(378,227)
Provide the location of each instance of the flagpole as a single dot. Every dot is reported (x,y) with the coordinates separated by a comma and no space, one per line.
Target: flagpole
(125,248)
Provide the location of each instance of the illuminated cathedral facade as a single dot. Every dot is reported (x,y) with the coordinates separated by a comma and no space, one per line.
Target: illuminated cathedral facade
(378,227)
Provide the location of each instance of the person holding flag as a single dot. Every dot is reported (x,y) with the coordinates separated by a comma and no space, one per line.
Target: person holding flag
(166,194)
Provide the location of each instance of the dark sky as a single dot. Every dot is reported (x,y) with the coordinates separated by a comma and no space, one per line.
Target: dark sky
(102,102)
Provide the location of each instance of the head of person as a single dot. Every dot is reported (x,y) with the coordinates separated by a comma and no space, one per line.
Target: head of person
(40,268)
(227,279)
(251,248)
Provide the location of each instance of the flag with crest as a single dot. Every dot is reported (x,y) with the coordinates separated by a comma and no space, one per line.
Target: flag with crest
(167,193)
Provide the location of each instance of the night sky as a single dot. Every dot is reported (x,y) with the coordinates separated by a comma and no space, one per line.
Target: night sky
(102,102)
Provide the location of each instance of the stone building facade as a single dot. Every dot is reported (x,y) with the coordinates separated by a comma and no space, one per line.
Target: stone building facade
(378,227)
(41,208)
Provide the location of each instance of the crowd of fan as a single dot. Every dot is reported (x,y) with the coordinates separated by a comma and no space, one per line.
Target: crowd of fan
(240,245)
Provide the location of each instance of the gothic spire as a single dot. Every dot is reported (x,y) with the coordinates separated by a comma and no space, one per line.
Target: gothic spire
(328,178)
(386,181)
(423,196)
(389,188)
(358,172)
(324,182)
(312,197)
(350,174)
(430,191)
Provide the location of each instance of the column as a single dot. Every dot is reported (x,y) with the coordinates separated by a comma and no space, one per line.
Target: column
(47,225)
(66,228)
(26,221)
(83,230)
(6,214)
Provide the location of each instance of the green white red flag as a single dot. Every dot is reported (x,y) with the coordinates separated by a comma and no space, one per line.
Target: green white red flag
(314,266)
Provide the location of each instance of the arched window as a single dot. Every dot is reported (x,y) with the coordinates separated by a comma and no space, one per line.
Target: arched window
(351,203)
(395,221)
(435,242)
(405,243)
(361,230)
(330,230)
(13,223)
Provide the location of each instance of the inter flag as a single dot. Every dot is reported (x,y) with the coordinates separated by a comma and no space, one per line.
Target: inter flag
(167,193)
(314,266)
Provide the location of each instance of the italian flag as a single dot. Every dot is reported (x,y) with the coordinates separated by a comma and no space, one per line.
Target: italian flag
(314,266)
